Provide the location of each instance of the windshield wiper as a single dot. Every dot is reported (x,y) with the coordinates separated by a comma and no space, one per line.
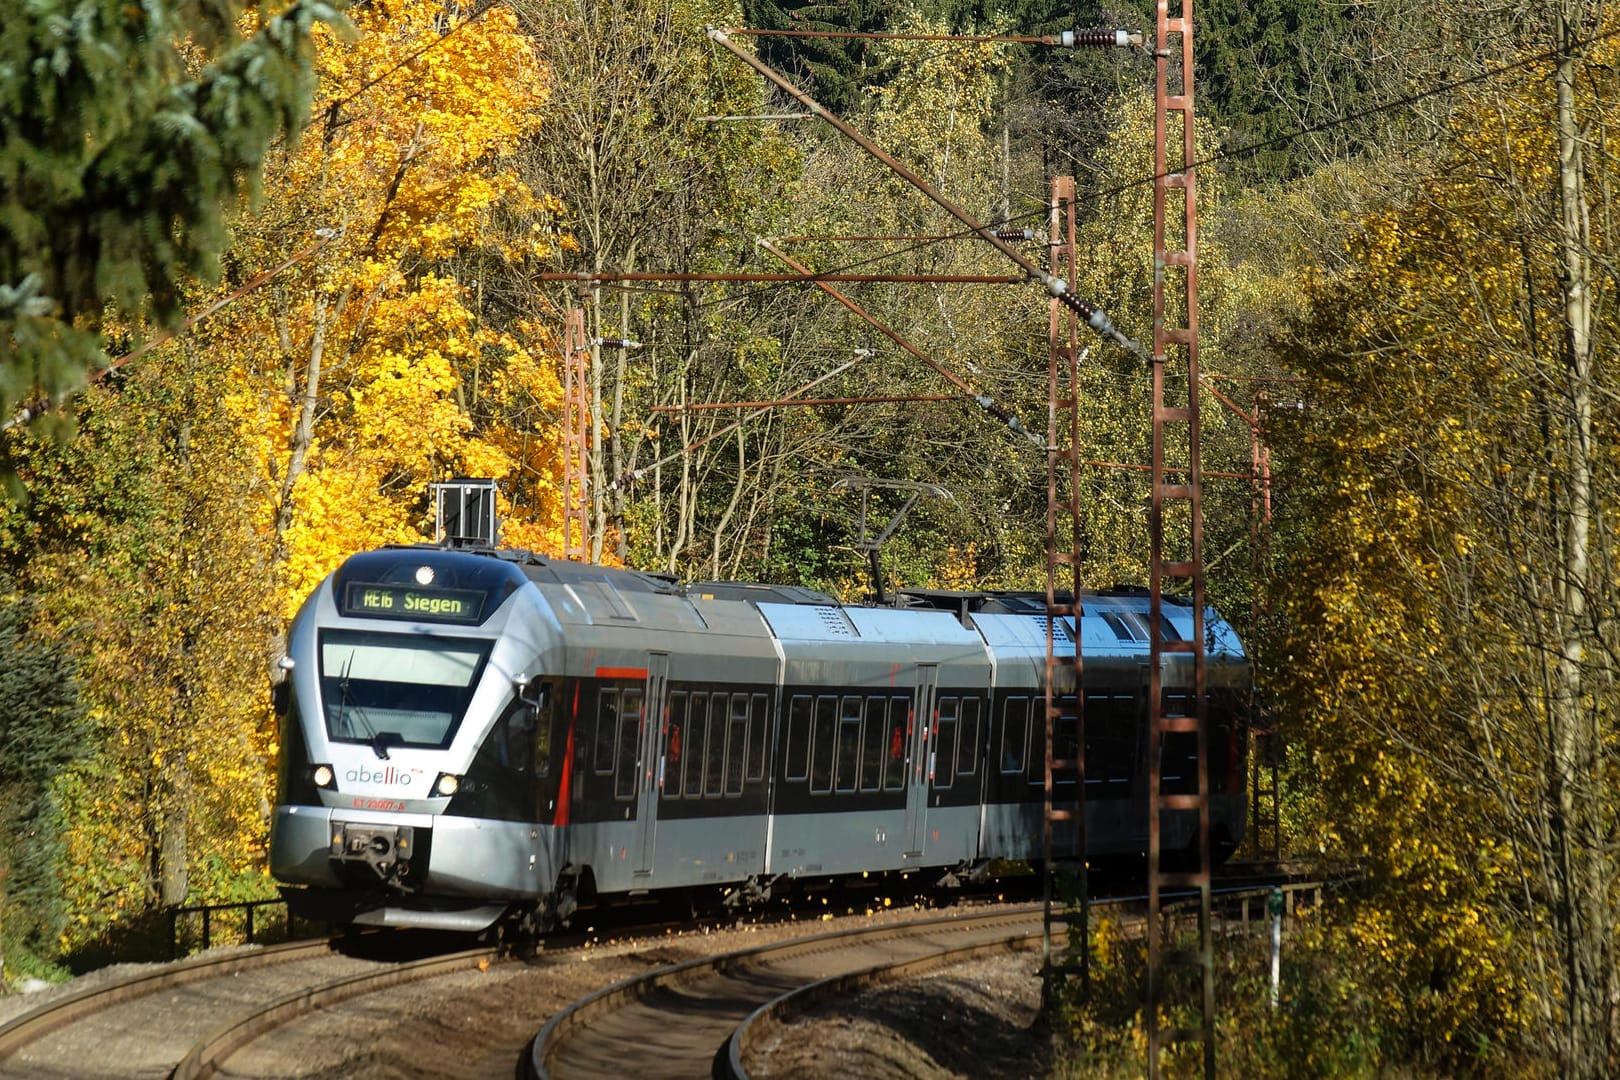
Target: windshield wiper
(379,745)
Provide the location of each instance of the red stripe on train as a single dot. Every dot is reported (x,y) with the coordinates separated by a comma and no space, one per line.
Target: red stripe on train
(621,673)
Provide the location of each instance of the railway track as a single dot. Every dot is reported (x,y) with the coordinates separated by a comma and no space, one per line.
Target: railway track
(168,1022)
(141,1025)
(647,1001)
(700,1018)
(304,1009)
(671,1022)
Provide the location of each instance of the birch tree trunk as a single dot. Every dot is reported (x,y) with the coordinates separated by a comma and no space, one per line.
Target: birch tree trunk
(1583,904)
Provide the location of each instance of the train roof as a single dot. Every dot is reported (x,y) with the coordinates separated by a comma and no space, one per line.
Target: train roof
(1117,616)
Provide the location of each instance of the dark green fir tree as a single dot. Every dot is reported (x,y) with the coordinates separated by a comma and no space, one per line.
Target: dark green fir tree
(41,730)
(128,133)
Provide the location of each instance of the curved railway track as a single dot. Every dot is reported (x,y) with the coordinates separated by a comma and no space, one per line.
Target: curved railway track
(168,1022)
(139,1026)
(650,1003)
(208,1056)
(671,1022)
(731,1062)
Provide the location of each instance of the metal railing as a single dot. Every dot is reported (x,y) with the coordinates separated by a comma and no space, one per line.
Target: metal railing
(207,913)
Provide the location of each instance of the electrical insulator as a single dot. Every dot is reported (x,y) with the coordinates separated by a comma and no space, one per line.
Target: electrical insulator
(1098,39)
(1013,236)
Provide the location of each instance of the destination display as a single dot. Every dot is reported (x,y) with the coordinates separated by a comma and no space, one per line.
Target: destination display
(405,602)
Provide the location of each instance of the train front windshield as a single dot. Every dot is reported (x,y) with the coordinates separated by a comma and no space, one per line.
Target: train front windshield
(393,690)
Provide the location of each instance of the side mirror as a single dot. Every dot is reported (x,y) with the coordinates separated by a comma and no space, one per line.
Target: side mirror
(522,684)
(280,696)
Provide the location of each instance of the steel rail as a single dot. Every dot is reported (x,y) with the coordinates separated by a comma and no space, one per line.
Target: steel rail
(36,1024)
(203,1060)
(543,1050)
(730,1060)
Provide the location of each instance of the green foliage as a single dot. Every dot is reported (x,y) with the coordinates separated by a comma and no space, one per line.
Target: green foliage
(1426,592)
(128,133)
(138,533)
(42,719)
(1331,1021)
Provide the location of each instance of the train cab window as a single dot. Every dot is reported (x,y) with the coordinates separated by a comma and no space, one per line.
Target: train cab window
(1014,734)
(397,690)
(693,754)
(796,766)
(823,737)
(736,744)
(847,777)
(714,762)
(967,743)
(874,742)
(674,746)
(624,770)
(945,732)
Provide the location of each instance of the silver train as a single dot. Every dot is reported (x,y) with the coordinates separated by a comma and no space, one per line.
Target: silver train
(468,734)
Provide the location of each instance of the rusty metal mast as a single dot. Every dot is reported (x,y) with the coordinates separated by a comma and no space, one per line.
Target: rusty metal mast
(1176,434)
(1063,838)
(576,493)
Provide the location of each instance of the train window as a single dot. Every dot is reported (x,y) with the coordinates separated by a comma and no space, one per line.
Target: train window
(1035,756)
(894,762)
(1014,734)
(674,740)
(501,782)
(1178,766)
(822,745)
(874,743)
(1226,739)
(545,714)
(967,754)
(697,728)
(849,745)
(607,726)
(1178,762)
(797,764)
(736,744)
(624,772)
(758,715)
(944,763)
(1110,745)
(1065,735)
(714,765)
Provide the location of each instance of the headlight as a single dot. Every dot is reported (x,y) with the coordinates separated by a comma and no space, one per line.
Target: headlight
(323,776)
(447,784)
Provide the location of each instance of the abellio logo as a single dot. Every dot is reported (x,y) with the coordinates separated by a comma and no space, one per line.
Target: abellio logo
(389,775)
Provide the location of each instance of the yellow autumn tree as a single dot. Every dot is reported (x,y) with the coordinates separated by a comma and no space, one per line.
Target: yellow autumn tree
(1437,468)
(374,366)
(140,534)
(348,361)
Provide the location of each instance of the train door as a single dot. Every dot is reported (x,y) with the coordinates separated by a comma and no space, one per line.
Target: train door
(920,761)
(649,765)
